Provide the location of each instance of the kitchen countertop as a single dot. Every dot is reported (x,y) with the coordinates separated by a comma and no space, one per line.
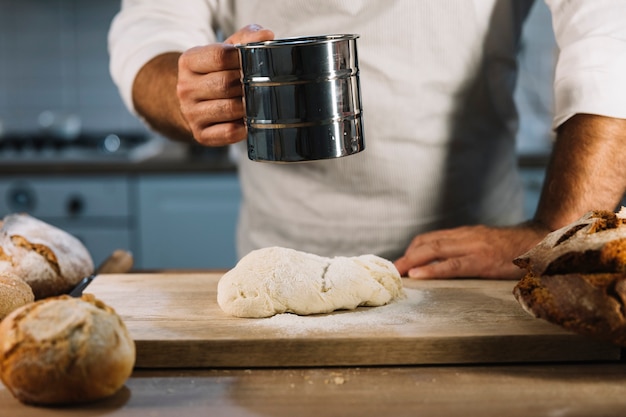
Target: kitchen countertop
(590,389)
(558,388)
(152,166)
(160,156)
(176,162)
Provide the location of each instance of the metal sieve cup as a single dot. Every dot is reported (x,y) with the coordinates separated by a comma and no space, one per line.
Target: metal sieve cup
(302,98)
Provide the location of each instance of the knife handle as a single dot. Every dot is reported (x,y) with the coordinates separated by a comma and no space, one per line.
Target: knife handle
(77,291)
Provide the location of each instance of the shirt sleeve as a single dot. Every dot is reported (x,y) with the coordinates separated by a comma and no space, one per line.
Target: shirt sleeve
(144,29)
(590,72)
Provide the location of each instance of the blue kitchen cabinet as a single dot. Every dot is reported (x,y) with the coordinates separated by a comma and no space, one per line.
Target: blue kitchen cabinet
(187,221)
(532,178)
(96,209)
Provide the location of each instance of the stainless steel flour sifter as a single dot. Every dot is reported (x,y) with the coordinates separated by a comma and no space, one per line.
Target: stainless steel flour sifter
(302,98)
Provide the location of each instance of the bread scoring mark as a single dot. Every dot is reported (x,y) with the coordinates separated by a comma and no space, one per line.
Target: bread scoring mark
(325,287)
(602,220)
(42,250)
(571,232)
(4,256)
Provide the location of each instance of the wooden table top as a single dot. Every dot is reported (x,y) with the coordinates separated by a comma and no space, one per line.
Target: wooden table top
(176,323)
(566,388)
(574,389)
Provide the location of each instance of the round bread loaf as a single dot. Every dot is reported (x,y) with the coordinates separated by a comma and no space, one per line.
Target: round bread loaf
(64,350)
(14,293)
(576,277)
(49,259)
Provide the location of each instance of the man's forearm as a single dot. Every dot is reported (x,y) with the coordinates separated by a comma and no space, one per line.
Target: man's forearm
(587,170)
(155,99)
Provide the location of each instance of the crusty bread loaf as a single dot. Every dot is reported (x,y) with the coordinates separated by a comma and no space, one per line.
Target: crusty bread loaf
(14,293)
(589,304)
(576,277)
(49,259)
(594,243)
(64,350)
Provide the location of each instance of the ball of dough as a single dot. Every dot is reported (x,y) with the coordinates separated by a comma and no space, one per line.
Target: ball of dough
(14,293)
(278,280)
(64,350)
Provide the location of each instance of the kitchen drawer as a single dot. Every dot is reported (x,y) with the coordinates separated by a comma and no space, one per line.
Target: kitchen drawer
(64,196)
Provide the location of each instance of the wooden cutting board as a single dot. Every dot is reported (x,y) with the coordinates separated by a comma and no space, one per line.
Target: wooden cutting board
(175,321)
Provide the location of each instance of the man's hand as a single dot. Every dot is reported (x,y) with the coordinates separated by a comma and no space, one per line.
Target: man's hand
(210,91)
(196,94)
(469,252)
(586,172)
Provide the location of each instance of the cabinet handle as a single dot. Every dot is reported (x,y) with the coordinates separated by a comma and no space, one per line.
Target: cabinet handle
(21,199)
(75,205)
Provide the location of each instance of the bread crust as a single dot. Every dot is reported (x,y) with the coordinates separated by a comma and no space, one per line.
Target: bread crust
(64,350)
(595,243)
(576,277)
(49,259)
(14,293)
(589,304)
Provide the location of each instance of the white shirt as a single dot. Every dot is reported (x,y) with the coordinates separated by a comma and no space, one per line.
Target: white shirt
(437,80)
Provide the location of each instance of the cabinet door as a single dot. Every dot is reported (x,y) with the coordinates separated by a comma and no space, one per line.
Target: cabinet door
(187,221)
(95,209)
(100,240)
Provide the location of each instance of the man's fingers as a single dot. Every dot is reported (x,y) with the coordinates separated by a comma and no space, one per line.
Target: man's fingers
(426,251)
(250,33)
(220,134)
(470,251)
(216,85)
(209,88)
(222,56)
(403,265)
(209,58)
(449,268)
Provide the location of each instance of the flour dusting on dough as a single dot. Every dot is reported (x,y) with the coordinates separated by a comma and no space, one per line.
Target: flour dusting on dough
(278,280)
(398,313)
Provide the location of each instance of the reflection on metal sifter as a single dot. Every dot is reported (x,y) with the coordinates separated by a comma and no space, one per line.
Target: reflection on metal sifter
(302,98)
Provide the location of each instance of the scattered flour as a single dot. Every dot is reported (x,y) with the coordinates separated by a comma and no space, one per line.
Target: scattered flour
(400,311)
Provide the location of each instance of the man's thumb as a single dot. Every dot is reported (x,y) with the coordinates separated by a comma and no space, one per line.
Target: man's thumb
(250,33)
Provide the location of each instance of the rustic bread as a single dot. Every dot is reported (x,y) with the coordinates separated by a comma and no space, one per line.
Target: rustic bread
(589,304)
(576,277)
(14,293)
(49,259)
(594,243)
(64,350)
